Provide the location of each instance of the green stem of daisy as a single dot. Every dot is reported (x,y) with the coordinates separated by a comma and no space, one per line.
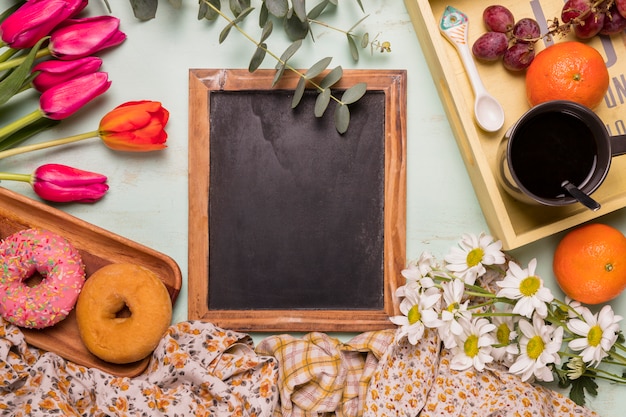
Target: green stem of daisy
(609,376)
(617,356)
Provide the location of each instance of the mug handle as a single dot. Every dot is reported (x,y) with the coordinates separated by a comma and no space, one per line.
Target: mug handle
(618,145)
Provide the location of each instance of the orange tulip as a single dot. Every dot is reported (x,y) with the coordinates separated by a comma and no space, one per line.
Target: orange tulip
(135,126)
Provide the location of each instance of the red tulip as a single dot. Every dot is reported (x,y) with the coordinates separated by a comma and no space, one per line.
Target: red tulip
(65,99)
(36,19)
(54,72)
(77,38)
(64,184)
(135,126)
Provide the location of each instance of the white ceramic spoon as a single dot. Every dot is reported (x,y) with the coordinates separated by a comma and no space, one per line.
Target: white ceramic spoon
(488,111)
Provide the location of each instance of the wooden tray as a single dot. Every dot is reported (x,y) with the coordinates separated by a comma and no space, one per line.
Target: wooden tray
(97,247)
(514,223)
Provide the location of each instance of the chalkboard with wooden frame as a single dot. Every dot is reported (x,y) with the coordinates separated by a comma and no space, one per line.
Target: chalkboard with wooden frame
(293,226)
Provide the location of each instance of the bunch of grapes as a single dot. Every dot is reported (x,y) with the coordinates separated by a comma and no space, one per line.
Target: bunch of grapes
(507,39)
(514,41)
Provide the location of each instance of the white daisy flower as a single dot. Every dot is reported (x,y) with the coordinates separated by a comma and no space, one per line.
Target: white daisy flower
(453,309)
(539,347)
(527,288)
(505,348)
(576,367)
(416,275)
(599,333)
(419,312)
(468,261)
(473,345)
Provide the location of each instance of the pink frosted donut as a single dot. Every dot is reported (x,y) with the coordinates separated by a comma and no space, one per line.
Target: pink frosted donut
(61,267)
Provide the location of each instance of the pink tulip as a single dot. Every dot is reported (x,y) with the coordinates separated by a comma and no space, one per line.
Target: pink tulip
(54,72)
(36,19)
(77,38)
(64,184)
(65,99)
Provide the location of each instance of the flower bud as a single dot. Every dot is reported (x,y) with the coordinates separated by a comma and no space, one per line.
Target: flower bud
(54,72)
(36,19)
(78,38)
(135,126)
(64,184)
(63,100)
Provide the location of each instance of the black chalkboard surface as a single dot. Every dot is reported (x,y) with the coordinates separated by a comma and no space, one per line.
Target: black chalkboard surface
(293,226)
(295,208)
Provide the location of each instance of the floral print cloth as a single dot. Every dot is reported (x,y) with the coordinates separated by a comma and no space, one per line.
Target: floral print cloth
(196,370)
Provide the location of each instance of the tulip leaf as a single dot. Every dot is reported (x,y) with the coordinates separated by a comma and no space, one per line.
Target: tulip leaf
(144,9)
(207,12)
(294,27)
(354,93)
(26,132)
(318,67)
(332,77)
(277,8)
(289,52)
(13,82)
(267,31)
(298,92)
(257,58)
(315,12)
(299,9)
(321,103)
(342,118)
(354,51)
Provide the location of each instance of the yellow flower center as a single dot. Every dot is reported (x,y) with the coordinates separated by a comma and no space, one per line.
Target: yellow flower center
(535,347)
(529,286)
(502,333)
(594,337)
(414,314)
(471,346)
(452,307)
(474,257)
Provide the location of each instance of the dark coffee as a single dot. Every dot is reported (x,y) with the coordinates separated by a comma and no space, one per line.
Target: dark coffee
(551,148)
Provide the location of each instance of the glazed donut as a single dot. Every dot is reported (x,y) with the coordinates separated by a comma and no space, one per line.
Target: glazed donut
(123,338)
(63,275)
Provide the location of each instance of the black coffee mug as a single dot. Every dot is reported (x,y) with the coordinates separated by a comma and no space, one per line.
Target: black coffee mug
(552,144)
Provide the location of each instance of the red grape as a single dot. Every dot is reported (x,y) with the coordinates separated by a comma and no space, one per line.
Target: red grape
(490,46)
(519,56)
(614,22)
(498,18)
(527,30)
(574,9)
(590,26)
(621,7)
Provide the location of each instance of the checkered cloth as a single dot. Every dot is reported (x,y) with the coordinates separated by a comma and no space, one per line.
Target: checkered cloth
(319,374)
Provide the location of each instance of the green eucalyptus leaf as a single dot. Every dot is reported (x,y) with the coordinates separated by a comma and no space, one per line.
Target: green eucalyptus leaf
(279,73)
(334,2)
(299,9)
(238,6)
(207,12)
(277,8)
(332,77)
(289,52)
(224,33)
(360,5)
(13,82)
(298,92)
(315,12)
(267,31)
(342,118)
(294,27)
(321,103)
(354,51)
(176,3)
(357,23)
(257,58)
(354,93)
(243,14)
(318,67)
(144,9)
(26,132)
(365,40)
(263,15)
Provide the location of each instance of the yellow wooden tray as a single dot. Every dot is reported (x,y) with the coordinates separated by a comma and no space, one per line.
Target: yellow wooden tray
(514,223)
(97,247)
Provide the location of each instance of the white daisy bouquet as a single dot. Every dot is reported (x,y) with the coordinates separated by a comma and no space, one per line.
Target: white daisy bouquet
(491,312)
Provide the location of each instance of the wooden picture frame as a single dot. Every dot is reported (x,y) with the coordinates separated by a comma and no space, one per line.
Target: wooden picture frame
(203,83)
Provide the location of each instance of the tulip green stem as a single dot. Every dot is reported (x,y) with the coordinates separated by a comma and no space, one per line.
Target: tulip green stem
(48,144)
(9,176)
(13,127)
(11,63)
(8,54)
